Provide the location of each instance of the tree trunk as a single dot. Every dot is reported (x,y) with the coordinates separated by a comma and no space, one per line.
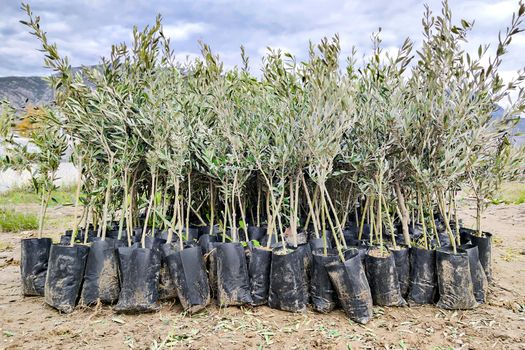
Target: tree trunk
(405,216)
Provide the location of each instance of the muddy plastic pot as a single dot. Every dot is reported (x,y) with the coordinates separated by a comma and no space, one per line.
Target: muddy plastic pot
(402,260)
(287,284)
(479,279)
(322,292)
(191,234)
(66,239)
(353,291)
(306,252)
(211,265)
(140,270)
(113,234)
(464,235)
(256,233)
(456,291)
(382,278)
(247,247)
(101,276)
(80,236)
(259,271)
(205,242)
(33,264)
(363,250)
(444,239)
(233,281)
(423,276)
(351,232)
(153,243)
(318,243)
(167,290)
(484,245)
(274,240)
(415,231)
(207,230)
(191,282)
(366,232)
(65,273)
(351,251)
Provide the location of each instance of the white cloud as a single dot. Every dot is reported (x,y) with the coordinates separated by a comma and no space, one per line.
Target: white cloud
(85,30)
(183,31)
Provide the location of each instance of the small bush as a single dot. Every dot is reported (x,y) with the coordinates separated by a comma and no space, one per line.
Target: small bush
(26,195)
(511,193)
(12,221)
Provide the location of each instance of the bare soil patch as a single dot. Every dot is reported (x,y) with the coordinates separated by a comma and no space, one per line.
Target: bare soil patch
(27,323)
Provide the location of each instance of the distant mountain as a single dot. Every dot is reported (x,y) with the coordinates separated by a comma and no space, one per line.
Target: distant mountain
(20,91)
(519,129)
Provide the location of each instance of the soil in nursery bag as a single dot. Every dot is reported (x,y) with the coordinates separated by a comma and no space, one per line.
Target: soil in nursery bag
(353,291)
(259,270)
(167,289)
(233,281)
(140,270)
(484,245)
(479,279)
(33,264)
(402,260)
(65,273)
(101,279)
(302,238)
(256,233)
(382,277)
(456,291)
(287,285)
(322,292)
(191,282)
(423,277)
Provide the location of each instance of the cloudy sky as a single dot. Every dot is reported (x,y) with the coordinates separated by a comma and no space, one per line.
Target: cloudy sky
(85,29)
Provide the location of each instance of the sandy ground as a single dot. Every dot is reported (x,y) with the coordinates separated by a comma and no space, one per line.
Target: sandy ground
(27,323)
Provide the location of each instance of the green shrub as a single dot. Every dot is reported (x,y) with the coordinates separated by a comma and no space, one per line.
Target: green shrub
(13,221)
(510,193)
(26,195)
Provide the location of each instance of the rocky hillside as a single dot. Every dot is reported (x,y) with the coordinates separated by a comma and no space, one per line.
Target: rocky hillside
(20,91)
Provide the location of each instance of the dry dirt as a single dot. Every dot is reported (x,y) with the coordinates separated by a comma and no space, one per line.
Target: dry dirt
(27,323)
